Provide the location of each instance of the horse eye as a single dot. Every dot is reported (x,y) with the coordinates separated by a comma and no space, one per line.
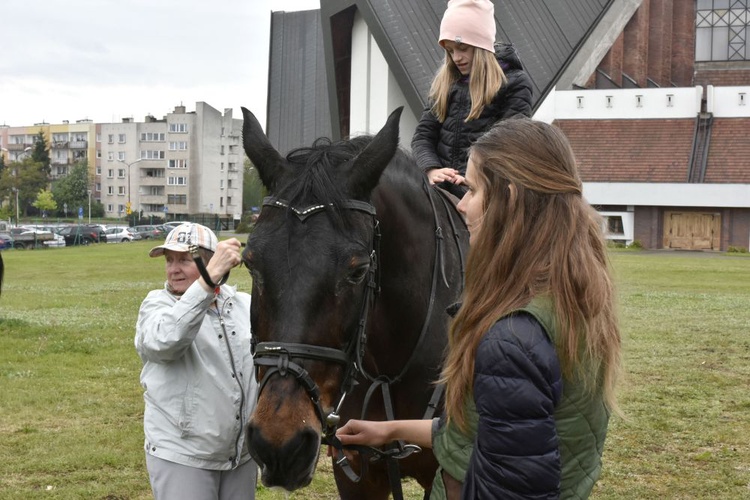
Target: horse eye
(358,274)
(256,276)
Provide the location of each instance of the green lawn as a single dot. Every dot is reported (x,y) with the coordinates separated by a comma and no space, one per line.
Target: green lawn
(71,406)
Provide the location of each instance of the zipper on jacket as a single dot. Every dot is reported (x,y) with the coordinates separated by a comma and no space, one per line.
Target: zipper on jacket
(455,148)
(236,376)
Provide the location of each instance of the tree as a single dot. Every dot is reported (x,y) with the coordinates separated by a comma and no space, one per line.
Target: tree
(28,177)
(40,153)
(73,189)
(253,190)
(45,202)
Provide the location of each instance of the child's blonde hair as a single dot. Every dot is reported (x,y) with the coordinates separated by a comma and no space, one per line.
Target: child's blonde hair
(486,79)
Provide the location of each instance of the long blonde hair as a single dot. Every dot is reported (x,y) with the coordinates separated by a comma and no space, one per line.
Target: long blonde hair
(485,80)
(538,237)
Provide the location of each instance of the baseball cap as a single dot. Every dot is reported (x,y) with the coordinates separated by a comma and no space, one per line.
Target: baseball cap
(180,238)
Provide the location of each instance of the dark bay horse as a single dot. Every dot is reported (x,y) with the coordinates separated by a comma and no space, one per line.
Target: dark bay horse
(354,259)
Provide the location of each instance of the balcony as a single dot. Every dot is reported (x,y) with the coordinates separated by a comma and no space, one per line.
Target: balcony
(154,199)
(18,147)
(59,144)
(79,144)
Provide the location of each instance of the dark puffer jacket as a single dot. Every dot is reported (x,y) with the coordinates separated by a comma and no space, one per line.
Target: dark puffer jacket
(540,435)
(445,145)
(532,434)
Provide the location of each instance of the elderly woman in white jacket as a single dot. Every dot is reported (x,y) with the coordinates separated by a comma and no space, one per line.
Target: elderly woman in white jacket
(193,337)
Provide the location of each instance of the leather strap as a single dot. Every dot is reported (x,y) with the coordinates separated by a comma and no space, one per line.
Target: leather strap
(204,272)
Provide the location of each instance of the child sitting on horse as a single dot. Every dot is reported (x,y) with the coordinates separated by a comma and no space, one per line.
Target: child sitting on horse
(479,83)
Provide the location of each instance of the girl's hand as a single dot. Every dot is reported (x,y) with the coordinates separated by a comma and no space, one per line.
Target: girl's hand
(438,175)
(364,432)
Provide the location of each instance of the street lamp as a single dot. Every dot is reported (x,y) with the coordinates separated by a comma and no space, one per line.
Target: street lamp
(18,155)
(16,191)
(129,206)
(89,191)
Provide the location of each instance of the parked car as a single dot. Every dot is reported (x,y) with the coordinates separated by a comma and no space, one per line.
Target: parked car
(6,241)
(79,235)
(168,226)
(101,236)
(121,235)
(149,232)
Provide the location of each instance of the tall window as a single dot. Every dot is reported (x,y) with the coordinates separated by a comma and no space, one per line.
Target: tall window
(722,28)
(152,155)
(153,136)
(178,164)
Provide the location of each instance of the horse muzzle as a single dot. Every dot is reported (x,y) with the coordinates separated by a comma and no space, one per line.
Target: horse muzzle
(289,466)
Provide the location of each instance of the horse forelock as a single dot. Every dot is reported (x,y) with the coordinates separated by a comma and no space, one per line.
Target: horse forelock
(318,177)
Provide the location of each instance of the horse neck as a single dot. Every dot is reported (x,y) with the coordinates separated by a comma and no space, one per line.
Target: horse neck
(407,224)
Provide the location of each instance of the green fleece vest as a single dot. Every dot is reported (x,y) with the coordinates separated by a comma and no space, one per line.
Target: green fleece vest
(581,423)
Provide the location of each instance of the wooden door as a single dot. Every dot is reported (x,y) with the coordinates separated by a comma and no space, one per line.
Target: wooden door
(692,230)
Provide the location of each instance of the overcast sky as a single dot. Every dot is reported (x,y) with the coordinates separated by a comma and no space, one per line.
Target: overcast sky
(109,59)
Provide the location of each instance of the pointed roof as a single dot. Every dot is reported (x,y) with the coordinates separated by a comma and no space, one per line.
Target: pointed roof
(548,36)
(560,44)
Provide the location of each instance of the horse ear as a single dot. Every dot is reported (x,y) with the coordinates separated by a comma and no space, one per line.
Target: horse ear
(262,154)
(369,164)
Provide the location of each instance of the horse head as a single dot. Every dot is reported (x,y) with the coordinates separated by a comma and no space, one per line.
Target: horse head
(312,258)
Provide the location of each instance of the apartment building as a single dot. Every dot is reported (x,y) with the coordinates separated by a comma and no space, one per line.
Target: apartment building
(183,164)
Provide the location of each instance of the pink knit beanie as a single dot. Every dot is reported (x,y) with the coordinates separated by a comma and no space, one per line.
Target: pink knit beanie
(471,22)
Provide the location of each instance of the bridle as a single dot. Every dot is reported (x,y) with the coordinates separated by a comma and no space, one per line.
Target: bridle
(279,356)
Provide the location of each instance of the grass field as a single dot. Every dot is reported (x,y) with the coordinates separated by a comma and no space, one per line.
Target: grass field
(71,404)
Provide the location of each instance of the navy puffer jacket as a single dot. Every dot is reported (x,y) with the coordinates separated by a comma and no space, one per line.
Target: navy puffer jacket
(517,386)
(445,145)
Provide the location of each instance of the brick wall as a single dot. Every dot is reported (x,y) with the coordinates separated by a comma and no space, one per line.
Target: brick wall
(648,223)
(738,228)
(715,74)
(656,46)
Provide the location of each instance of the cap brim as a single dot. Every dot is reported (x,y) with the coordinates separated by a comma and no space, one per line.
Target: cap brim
(177,247)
